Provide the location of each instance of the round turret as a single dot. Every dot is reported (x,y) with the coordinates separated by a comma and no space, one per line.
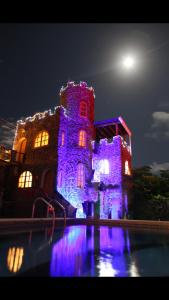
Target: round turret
(78,99)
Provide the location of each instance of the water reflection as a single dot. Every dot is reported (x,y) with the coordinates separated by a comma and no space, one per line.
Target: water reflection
(68,255)
(93,251)
(15,259)
(133,271)
(85,251)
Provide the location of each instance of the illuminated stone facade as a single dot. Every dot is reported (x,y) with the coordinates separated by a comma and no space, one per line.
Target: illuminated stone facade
(71,154)
(83,160)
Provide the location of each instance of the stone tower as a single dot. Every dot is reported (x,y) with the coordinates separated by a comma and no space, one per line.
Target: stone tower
(76,132)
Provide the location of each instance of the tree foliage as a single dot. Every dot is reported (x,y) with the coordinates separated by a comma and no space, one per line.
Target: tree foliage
(150,195)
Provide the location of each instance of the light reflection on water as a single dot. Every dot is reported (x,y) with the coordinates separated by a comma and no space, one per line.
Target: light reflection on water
(85,251)
(92,251)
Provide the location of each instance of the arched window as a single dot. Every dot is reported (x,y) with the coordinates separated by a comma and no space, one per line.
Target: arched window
(60,179)
(42,139)
(15,259)
(62,138)
(83,109)
(82,138)
(80,175)
(25,180)
(104,166)
(127,169)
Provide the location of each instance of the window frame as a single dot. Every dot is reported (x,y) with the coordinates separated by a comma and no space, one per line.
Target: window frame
(104,166)
(62,138)
(80,175)
(82,105)
(25,180)
(82,138)
(40,138)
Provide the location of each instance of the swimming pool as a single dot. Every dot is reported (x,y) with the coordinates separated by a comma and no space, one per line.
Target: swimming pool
(85,251)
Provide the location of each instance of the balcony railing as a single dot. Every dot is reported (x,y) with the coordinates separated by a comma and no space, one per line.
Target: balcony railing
(10,155)
(5,155)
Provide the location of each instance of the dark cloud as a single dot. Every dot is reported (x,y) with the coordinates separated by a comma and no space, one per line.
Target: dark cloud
(160,126)
(7,133)
(156,167)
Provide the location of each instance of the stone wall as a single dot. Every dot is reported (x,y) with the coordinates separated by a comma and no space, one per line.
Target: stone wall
(71,153)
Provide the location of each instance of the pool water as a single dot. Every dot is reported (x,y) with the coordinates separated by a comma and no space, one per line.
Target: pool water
(85,251)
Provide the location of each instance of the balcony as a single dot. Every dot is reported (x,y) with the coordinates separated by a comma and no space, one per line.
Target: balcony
(9,155)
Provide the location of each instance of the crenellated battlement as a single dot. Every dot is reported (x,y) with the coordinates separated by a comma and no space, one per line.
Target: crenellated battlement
(72,87)
(109,142)
(42,115)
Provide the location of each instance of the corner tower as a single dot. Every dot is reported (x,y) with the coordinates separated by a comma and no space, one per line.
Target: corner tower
(74,149)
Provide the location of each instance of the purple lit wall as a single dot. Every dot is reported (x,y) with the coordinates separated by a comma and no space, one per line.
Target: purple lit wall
(112,197)
(103,161)
(70,154)
(111,151)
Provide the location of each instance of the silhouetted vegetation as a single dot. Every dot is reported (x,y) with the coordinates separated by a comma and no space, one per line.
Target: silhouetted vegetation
(150,195)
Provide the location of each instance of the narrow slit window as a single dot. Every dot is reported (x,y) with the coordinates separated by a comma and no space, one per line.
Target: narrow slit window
(62,138)
(83,109)
(82,138)
(127,169)
(80,175)
(60,179)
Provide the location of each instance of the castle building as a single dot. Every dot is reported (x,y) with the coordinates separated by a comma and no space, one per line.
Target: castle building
(65,151)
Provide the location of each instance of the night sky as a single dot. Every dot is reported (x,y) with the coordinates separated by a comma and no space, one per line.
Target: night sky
(37,59)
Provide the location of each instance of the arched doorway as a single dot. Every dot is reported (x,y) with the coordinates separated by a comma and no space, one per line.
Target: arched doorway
(47,181)
(21,147)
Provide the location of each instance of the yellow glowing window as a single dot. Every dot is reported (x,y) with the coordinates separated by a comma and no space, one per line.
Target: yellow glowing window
(15,259)
(25,180)
(83,109)
(82,138)
(80,175)
(42,139)
(127,169)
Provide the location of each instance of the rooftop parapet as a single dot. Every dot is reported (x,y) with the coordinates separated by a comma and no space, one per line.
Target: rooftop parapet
(108,142)
(81,85)
(41,115)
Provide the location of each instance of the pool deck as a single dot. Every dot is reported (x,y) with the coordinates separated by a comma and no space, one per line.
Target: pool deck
(12,224)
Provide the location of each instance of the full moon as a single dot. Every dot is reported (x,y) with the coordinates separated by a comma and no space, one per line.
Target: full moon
(128,62)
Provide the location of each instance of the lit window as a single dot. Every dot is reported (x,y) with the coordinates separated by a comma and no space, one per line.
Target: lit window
(63,138)
(82,138)
(15,259)
(104,166)
(127,169)
(25,180)
(83,109)
(80,175)
(42,139)
(60,179)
